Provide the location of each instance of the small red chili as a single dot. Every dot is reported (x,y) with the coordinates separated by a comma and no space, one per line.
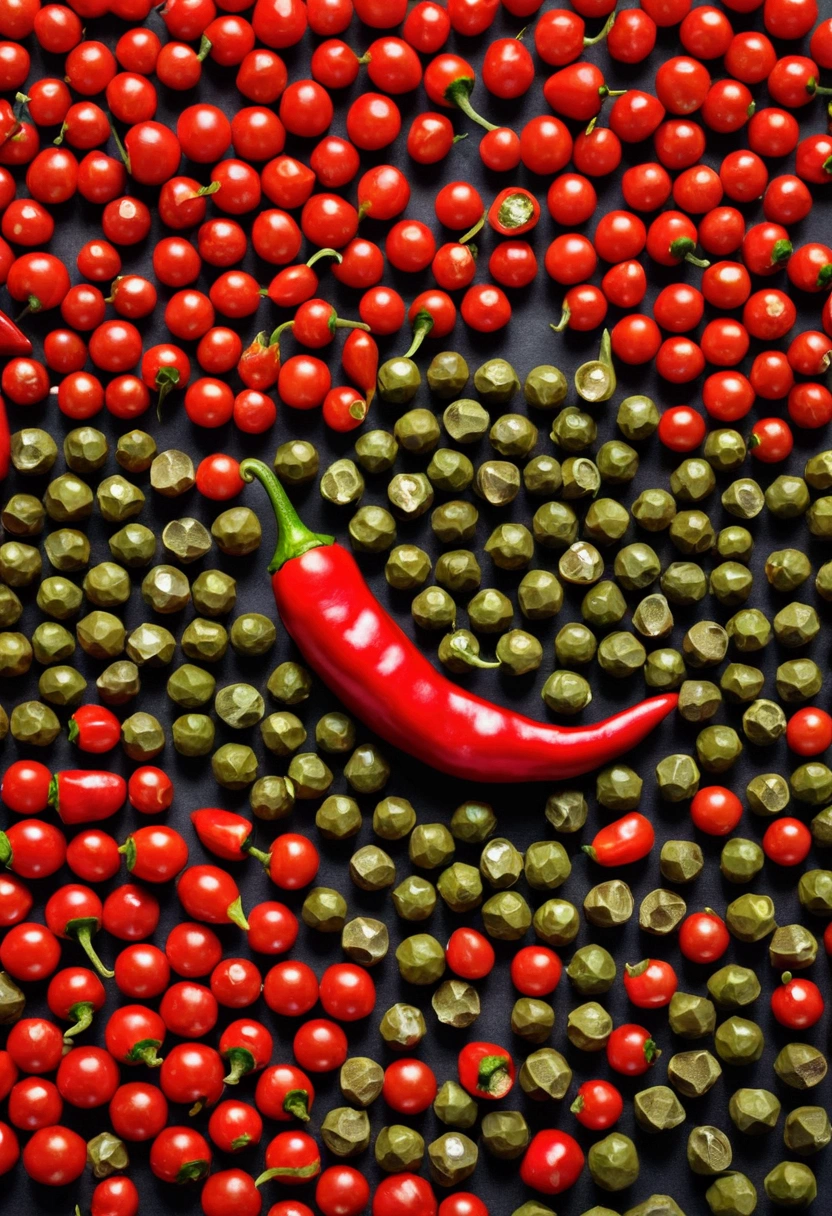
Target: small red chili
(715,810)
(623,842)
(552,1163)
(209,894)
(86,795)
(650,984)
(631,1050)
(597,1106)
(703,937)
(486,1070)
(514,211)
(771,440)
(787,842)
(809,731)
(798,1003)
(94,728)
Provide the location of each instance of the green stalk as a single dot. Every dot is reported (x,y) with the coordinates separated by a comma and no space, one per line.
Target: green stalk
(294,538)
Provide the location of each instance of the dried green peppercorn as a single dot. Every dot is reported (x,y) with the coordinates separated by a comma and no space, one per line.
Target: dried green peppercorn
(556,922)
(791,1185)
(691,1016)
(62,686)
(807,1130)
(234,766)
(454,1107)
(733,986)
(661,912)
(545,387)
(193,735)
(407,567)
(361,1080)
(338,817)
(754,1111)
(588,1027)
(532,1019)
(456,1003)
(372,869)
(402,1027)
(415,898)
(792,948)
(119,683)
(657,1109)
(739,1041)
(609,904)
(309,775)
(592,970)
(399,1148)
(613,1162)
(142,736)
(741,860)
(324,909)
(545,1074)
(451,1159)
(272,797)
(801,1066)
(708,1150)
(681,861)
(431,845)
(506,916)
(693,1073)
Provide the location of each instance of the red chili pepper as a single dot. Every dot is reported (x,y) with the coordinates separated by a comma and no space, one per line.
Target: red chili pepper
(5,440)
(294,285)
(259,364)
(514,211)
(75,912)
(627,840)
(367,660)
(553,1162)
(209,894)
(292,1157)
(486,1070)
(247,1046)
(13,341)
(94,728)
(85,795)
(359,359)
(225,834)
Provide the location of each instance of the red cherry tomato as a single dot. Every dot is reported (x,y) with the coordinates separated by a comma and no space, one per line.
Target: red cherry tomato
(703,937)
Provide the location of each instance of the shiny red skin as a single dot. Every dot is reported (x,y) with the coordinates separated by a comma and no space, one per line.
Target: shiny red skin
(32,849)
(809,731)
(703,937)
(55,1156)
(284,1093)
(552,1163)
(535,971)
(409,1086)
(235,1126)
(469,954)
(653,987)
(715,810)
(630,1050)
(787,842)
(25,787)
(623,842)
(598,1105)
(499,1078)
(95,729)
(138,1111)
(86,795)
(797,1003)
(222,832)
(290,988)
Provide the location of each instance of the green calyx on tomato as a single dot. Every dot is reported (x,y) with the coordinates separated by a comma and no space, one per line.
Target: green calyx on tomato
(493,1076)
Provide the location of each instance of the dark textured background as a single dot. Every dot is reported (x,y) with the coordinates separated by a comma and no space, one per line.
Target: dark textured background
(527,341)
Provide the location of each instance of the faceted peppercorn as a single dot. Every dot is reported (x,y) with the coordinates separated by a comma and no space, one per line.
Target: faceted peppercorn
(272,798)
(655,1205)
(11,609)
(741,860)
(693,1073)
(692,532)
(51,642)
(787,569)
(821,825)
(763,723)
(193,734)
(684,583)
(545,1074)
(539,595)
(335,733)
(421,959)
(733,986)
(309,775)
(811,783)
(807,1130)
(365,941)
(460,887)
(581,478)
(500,863)
(788,497)
(68,499)
(796,625)
(652,617)
(750,917)
(546,865)
(754,1111)
(23,515)
(240,706)
(681,861)
(740,682)
(724,449)
(510,546)
(452,1158)
(454,1107)
(567,810)
(214,593)
(296,462)
(743,498)
(767,794)
(545,387)
(59,597)
(555,525)
(234,766)
(431,845)
(617,462)
(574,429)
(458,571)
(101,635)
(556,922)
(473,822)
(118,499)
(449,471)
(290,683)
(361,1080)
(506,916)
(325,910)
(414,898)
(454,522)
(818,470)
(165,589)
(621,655)
(15,655)
(592,970)
(731,583)
(543,476)
(142,736)
(801,1066)
(519,652)
(367,771)
(692,480)
(657,1109)
(456,1003)
(532,1019)
(190,687)
(496,381)
(613,1162)
(187,539)
(33,451)
(399,1149)
(338,817)
(677,777)
(67,549)
(575,643)
(135,451)
(638,417)
(798,680)
(393,818)
(505,1134)
(699,700)
(718,748)
(376,451)
(739,1041)
(372,529)
(732,1195)
(134,545)
(661,912)
(85,449)
(691,1016)
(106,1154)
(447,374)
(372,869)
(108,585)
(618,788)
(407,567)
(417,431)
(237,531)
(204,640)
(342,483)
(172,473)
(814,890)
(62,686)
(402,1027)
(466,420)
(606,521)
(608,904)
(792,948)
(497,481)
(654,510)
(791,1184)
(410,495)
(708,1150)
(21,564)
(152,645)
(588,1027)
(345,1132)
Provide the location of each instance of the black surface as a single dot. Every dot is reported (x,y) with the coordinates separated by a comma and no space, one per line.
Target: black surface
(527,341)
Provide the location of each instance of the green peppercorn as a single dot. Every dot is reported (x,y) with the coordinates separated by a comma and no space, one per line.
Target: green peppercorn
(473,822)
(681,861)
(234,766)
(741,860)
(376,451)
(465,420)
(708,1151)
(543,476)
(151,645)
(539,595)
(345,1132)
(118,499)
(490,611)
(556,922)
(613,1162)
(454,1107)
(67,549)
(193,735)
(447,374)
(324,910)
(733,986)
(190,687)
(399,1148)
(372,529)
(172,473)
(592,970)
(296,462)
(505,1134)
(788,498)
(33,451)
(62,686)
(365,941)
(657,1109)
(59,597)
(739,1041)
(135,451)
(68,499)
(684,583)
(532,1020)
(204,640)
(800,1066)
(101,635)
(506,916)
(449,471)
(342,483)
(134,545)
(791,1184)
(237,531)
(661,912)
(310,777)
(693,1073)
(20,565)
(749,630)
(51,642)
(807,1130)
(545,387)
(165,589)
(638,417)
(272,797)
(555,525)
(665,669)
(754,1111)
(588,1027)
(372,869)
(361,1080)
(414,898)
(456,1003)
(500,863)
(691,1016)
(142,736)
(402,1027)
(621,655)
(545,1074)
(496,381)
(677,777)
(654,510)
(792,948)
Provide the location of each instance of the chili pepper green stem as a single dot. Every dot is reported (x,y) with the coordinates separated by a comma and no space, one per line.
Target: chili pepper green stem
(325,253)
(296,1103)
(82,930)
(467,656)
(422,325)
(472,232)
(144,1052)
(236,915)
(242,1062)
(122,151)
(167,378)
(564,320)
(488,1073)
(265,858)
(205,45)
(294,538)
(602,33)
(82,1012)
(459,93)
(300,1172)
(336,322)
